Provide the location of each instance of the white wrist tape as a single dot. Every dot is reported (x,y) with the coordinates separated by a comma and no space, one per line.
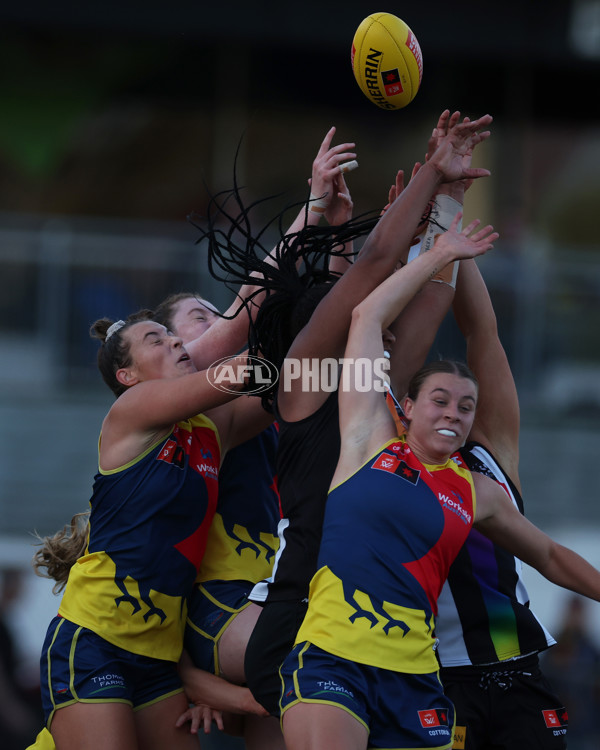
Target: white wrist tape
(318,205)
(444,209)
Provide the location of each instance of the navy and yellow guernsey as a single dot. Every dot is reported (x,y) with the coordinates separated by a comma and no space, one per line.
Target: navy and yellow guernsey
(148,528)
(243,537)
(390,534)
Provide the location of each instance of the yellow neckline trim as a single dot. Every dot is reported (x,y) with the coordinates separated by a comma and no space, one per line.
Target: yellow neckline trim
(199,417)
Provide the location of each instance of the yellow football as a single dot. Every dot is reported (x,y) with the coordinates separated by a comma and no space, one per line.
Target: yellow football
(387,61)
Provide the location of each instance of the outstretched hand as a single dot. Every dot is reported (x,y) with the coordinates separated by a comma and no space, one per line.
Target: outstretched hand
(468,243)
(444,123)
(327,182)
(394,190)
(451,146)
(397,188)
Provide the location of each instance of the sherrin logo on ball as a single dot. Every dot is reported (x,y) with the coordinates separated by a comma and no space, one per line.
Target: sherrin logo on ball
(387,61)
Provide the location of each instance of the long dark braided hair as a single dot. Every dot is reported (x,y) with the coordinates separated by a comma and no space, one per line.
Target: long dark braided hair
(293,285)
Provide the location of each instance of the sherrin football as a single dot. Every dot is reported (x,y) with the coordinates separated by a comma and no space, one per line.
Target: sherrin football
(387,61)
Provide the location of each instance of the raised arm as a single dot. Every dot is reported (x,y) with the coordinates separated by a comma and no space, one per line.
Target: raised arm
(387,244)
(497,418)
(230,334)
(338,212)
(148,409)
(416,327)
(414,332)
(361,407)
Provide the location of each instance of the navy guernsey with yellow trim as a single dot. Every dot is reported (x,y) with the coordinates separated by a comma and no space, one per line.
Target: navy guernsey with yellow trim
(148,527)
(390,533)
(243,537)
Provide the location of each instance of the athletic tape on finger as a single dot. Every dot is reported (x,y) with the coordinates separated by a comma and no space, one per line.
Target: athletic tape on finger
(348,166)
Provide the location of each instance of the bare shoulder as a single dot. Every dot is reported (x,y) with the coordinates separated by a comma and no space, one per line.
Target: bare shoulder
(120,444)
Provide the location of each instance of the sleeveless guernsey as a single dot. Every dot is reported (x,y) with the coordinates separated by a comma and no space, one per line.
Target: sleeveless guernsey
(390,533)
(148,528)
(243,537)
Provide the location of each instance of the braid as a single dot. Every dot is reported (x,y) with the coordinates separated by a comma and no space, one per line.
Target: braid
(237,256)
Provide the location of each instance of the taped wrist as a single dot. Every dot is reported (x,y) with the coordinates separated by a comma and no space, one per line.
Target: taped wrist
(318,205)
(443,210)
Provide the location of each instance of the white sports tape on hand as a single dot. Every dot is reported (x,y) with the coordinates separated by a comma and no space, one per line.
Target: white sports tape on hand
(443,211)
(318,205)
(348,166)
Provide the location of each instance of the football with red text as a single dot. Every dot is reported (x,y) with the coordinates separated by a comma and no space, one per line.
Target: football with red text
(387,61)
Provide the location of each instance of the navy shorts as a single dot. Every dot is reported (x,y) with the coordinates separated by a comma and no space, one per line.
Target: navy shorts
(212,607)
(78,666)
(398,710)
(505,706)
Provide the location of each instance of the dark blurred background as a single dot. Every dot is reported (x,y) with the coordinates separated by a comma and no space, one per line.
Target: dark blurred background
(115,118)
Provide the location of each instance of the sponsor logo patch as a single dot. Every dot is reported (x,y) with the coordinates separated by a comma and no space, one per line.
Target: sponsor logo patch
(455,505)
(433,717)
(556,717)
(107,682)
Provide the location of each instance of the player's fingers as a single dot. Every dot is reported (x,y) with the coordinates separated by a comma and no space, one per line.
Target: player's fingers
(487,233)
(333,161)
(443,120)
(348,166)
(481,122)
(471,227)
(452,120)
(182,719)
(326,141)
(454,223)
(474,172)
